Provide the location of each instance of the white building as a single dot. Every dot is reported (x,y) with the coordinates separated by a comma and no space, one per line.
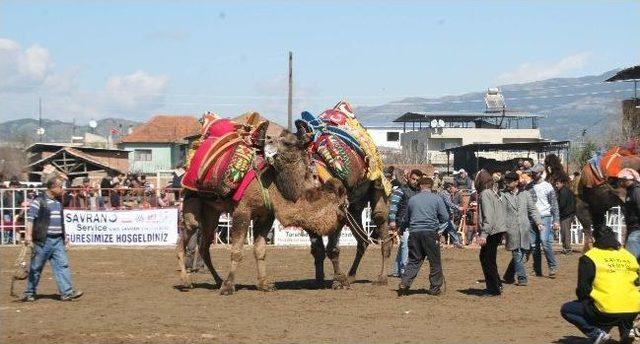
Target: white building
(386,136)
(425,135)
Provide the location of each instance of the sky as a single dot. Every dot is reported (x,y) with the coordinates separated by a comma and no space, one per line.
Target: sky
(133,59)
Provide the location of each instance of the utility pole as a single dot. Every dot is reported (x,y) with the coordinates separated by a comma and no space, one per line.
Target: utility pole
(290,100)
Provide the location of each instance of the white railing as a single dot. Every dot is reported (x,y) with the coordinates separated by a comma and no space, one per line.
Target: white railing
(615,220)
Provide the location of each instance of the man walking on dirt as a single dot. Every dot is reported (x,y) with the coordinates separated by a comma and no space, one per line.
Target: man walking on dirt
(426,212)
(45,233)
(547,203)
(397,215)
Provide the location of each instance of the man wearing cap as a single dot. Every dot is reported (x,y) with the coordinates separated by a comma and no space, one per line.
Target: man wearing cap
(448,190)
(520,213)
(437,181)
(607,290)
(546,201)
(462,180)
(630,179)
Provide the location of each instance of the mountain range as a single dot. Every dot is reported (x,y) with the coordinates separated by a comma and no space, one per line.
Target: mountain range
(570,106)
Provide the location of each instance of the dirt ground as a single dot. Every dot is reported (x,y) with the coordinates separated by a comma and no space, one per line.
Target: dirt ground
(130,298)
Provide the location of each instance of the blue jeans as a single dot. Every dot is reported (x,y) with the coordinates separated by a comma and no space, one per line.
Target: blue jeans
(543,240)
(516,267)
(633,243)
(402,257)
(575,313)
(453,233)
(52,250)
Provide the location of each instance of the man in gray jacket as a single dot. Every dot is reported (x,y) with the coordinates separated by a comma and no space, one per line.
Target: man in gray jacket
(492,227)
(520,213)
(426,212)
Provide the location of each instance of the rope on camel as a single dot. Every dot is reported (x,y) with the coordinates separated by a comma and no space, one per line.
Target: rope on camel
(360,232)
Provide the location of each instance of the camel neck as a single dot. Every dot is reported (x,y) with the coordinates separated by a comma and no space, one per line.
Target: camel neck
(293,180)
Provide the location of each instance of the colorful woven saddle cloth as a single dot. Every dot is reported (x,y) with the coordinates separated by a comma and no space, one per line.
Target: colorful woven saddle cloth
(609,164)
(343,144)
(224,155)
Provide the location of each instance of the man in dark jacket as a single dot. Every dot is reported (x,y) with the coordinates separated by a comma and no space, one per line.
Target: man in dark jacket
(567,207)
(397,214)
(632,210)
(607,290)
(426,212)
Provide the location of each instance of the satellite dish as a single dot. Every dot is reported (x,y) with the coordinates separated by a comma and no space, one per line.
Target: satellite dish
(40,131)
(441,123)
(434,123)
(93,124)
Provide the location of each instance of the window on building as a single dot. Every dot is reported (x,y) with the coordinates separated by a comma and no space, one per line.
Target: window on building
(142,155)
(393,136)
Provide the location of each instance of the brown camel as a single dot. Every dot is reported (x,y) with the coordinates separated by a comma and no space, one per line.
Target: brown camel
(316,209)
(361,192)
(593,202)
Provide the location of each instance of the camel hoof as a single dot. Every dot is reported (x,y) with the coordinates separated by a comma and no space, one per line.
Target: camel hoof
(227,288)
(351,278)
(267,287)
(340,283)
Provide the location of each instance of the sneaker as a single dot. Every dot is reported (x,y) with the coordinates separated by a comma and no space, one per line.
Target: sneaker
(521,283)
(601,338)
(552,273)
(72,296)
(28,298)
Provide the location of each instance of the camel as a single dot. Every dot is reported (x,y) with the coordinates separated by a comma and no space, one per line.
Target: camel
(291,195)
(593,201)
(361,192)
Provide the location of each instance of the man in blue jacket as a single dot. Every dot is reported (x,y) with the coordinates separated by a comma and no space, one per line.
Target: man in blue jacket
(426,212)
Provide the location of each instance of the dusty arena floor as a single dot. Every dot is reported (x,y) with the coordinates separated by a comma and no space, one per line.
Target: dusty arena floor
(130,298)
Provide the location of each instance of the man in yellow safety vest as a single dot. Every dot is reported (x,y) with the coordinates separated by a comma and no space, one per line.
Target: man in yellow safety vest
(607,290)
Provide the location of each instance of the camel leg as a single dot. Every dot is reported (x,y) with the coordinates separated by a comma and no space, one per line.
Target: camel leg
(260,229)
(191,213)
(380,214)
(356,213)
(183,238)
(584,217)
(210,225)
(238,234)
(319,254)
(340,281)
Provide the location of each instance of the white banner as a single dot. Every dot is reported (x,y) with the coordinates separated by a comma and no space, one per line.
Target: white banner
(292,236)
(144,227)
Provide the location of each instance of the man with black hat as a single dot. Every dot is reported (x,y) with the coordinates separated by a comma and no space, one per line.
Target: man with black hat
(492,227)
(607,290)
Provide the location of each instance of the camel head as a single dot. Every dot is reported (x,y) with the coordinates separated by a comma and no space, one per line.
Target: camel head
(286,150)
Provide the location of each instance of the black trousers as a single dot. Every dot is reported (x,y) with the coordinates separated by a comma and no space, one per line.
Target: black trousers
(424,244)
(488,254)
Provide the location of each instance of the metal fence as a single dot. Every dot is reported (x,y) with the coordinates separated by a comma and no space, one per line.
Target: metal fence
(14,203)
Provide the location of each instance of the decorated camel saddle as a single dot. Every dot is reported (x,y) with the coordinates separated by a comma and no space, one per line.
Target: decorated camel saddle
(224,160)
(342,145)
(608,165)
